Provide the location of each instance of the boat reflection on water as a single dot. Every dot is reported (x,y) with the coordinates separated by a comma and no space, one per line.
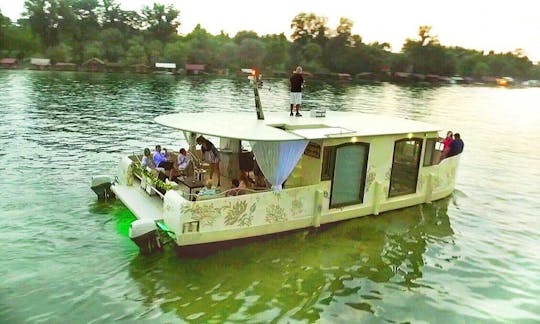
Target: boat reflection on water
(346,270)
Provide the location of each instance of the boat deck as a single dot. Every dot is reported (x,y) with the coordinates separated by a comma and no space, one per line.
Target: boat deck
(139,202)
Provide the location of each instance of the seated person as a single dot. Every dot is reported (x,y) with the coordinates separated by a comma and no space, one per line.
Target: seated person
(183,159)
(207,190)
(245,181)
(235,190)
(161,160)
(182,164)
(147,160)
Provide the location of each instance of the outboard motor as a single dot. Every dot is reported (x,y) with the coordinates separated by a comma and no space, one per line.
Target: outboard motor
(101,185)
(143,232)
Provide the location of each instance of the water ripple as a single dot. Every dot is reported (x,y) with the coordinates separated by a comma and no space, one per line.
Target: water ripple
(66,257)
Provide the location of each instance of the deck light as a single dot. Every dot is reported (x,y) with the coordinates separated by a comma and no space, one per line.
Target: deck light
(410,135)
(354,139)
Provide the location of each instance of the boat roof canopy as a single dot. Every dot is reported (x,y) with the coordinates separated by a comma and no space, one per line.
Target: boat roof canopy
(278,126)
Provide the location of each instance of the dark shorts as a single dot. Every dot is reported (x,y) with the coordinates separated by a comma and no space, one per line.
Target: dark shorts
(167,165)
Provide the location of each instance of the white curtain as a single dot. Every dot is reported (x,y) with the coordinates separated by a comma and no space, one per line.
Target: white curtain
(277,159)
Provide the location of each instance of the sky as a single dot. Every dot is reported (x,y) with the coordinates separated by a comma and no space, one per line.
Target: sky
(501,26)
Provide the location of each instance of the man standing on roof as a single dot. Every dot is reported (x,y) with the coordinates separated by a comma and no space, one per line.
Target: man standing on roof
(297,82)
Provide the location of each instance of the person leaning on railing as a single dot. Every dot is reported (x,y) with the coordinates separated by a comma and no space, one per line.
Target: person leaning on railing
(456,147)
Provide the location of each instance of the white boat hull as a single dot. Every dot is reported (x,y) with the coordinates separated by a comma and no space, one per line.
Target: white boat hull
(259,214)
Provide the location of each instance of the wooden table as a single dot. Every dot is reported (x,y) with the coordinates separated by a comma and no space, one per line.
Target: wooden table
(191,183)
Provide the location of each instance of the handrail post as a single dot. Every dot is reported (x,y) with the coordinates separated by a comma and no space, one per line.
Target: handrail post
(376,190)
(317,208)
(429,188)
(258,106)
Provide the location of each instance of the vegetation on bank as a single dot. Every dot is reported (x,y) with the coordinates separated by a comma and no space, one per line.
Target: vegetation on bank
(78,30)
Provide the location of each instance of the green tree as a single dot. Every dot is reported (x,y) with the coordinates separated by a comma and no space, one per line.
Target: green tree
(276,50)
(344,31)
(424,32)
(16,39)
(154,51)
(245,34)
(307,27)
(91,50)
(111,42)
(400,62)
(466,66)
(227,56)
(481,69)
(112,16)
(4,23)
(201,47)
(427,55)
(175,52)
(44,19)
(136,53)
(251,53)
(312,52)
(60,53)
(337,54)
(161,22)
(80,25)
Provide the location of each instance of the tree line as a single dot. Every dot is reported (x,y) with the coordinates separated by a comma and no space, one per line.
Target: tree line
(77,30)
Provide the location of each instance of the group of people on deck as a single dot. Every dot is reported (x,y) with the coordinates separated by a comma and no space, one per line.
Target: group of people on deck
(161,160)
(452,145)
(164,162)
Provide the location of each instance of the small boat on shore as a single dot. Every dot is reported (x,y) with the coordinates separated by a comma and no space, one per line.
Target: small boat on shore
(319,169)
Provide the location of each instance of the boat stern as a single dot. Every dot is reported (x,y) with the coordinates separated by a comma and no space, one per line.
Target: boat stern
(101,185)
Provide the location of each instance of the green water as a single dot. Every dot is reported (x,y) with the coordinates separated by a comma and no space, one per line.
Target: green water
(66,258)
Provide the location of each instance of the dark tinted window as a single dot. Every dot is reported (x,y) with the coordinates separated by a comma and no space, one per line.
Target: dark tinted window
(329,159)
(405,167)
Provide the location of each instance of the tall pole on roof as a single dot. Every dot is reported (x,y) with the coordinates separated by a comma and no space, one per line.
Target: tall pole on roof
(256,81)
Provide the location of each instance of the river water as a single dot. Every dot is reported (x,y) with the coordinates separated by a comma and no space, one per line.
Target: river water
(65,257)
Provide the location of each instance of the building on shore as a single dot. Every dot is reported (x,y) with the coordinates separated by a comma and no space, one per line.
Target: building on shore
(94,65)
(140,68)
(9,63)
(194,69)
(169,68)
(40,63)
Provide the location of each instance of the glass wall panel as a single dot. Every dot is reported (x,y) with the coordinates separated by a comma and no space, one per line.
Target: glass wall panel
(432,155)
(349,174)
(405,167)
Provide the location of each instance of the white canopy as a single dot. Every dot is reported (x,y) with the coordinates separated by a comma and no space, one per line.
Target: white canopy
(278,126)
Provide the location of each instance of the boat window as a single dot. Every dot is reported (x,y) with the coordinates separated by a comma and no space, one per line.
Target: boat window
(432,152)
(329,158)
(405,166)
(349,176)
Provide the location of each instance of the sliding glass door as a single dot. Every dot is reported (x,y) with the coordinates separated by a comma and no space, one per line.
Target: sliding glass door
(349,177)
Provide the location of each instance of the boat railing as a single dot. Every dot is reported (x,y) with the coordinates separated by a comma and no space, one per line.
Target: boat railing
(228,193)
(255,209)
